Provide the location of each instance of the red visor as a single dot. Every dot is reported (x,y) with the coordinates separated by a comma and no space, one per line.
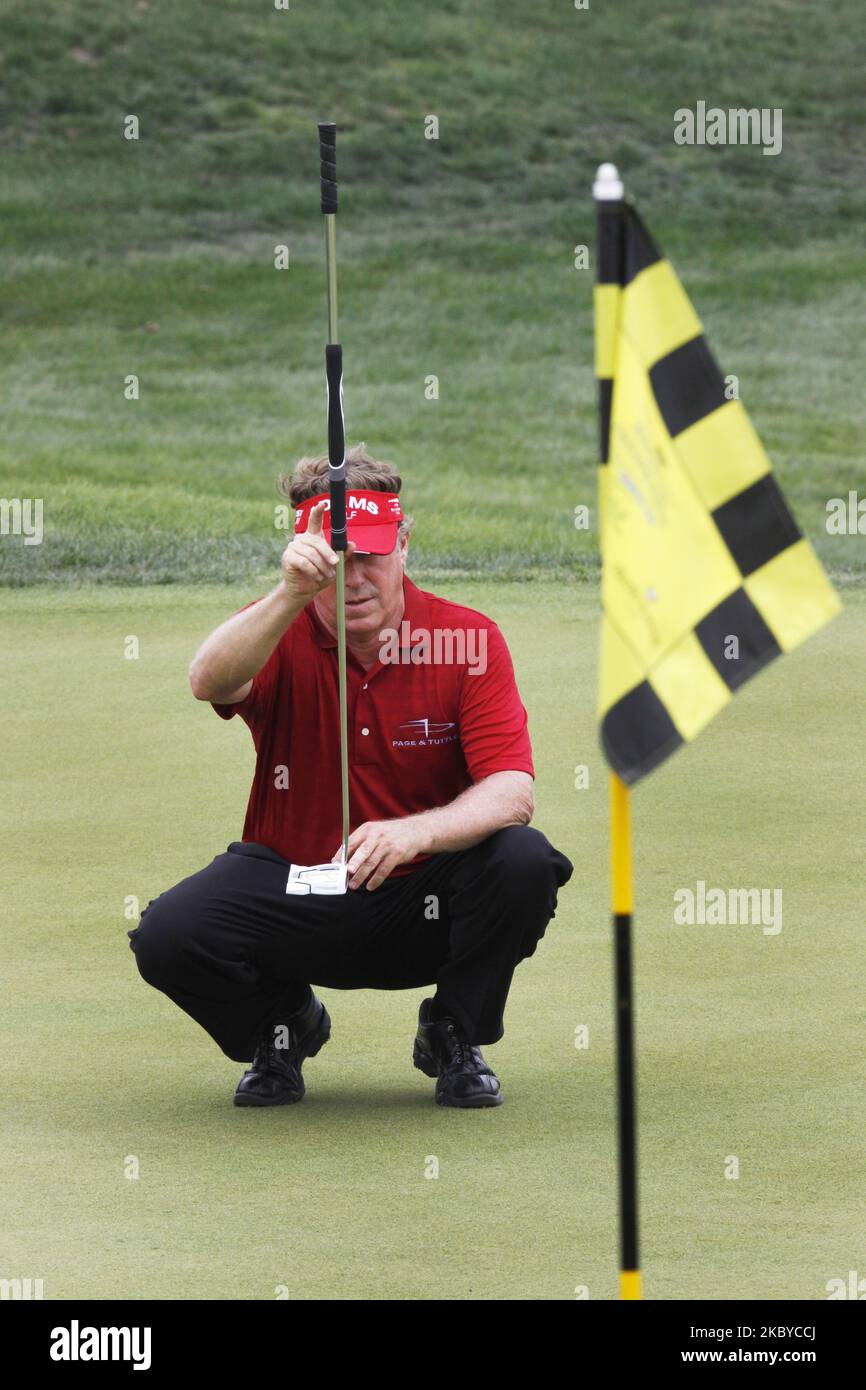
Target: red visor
(371,519)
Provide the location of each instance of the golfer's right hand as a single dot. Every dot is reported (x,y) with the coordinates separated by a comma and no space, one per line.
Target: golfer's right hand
(309,564)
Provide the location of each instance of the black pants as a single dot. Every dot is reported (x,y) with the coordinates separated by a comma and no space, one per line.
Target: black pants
(237,953)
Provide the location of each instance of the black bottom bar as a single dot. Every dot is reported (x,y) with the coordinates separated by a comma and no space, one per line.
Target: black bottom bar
(228,1340)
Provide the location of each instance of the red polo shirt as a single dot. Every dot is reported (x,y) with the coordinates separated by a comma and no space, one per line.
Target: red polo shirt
(422,728)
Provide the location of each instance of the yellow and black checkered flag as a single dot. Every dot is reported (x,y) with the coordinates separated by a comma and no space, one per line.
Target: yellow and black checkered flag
(706,576)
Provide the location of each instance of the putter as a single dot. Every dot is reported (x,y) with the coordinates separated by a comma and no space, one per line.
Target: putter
(331,878)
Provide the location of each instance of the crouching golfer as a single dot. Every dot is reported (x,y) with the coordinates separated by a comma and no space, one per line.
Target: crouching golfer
(448,883)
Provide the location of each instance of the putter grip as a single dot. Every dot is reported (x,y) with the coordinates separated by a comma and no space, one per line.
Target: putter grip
(328,162)
(336,445)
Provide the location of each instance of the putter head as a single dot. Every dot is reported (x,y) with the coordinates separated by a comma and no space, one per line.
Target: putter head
(317,878)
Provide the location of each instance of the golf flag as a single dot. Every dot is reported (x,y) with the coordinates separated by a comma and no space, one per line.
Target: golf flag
(706,575)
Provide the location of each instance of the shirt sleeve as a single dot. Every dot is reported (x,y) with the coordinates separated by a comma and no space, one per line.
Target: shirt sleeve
(494,731)
(256,709)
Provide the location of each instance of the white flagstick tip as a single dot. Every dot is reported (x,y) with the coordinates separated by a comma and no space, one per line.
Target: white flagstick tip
(608,184)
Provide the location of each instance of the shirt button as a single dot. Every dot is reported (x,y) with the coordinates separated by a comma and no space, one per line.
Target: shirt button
(365,731)
(363,687)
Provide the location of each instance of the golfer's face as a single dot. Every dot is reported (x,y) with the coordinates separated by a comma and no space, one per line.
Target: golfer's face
(374,586)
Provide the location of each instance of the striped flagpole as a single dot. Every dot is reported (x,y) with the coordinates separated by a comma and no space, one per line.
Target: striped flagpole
(622,906)
(608,194)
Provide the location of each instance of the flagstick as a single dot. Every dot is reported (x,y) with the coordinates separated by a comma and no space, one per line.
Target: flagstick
(622,907)
(607,191)
(336,440)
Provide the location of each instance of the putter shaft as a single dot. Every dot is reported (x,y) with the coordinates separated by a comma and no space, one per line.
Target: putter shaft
(331,263)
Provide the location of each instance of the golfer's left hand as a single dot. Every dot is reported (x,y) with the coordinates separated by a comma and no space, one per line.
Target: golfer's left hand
(377,847)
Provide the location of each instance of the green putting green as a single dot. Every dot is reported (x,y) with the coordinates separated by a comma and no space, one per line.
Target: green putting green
(749,1044)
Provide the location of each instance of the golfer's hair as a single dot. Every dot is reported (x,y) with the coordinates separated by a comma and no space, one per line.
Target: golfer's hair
(309,477)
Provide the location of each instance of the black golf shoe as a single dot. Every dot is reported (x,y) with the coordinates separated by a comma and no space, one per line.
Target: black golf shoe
(463,1078)
(275,1075)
